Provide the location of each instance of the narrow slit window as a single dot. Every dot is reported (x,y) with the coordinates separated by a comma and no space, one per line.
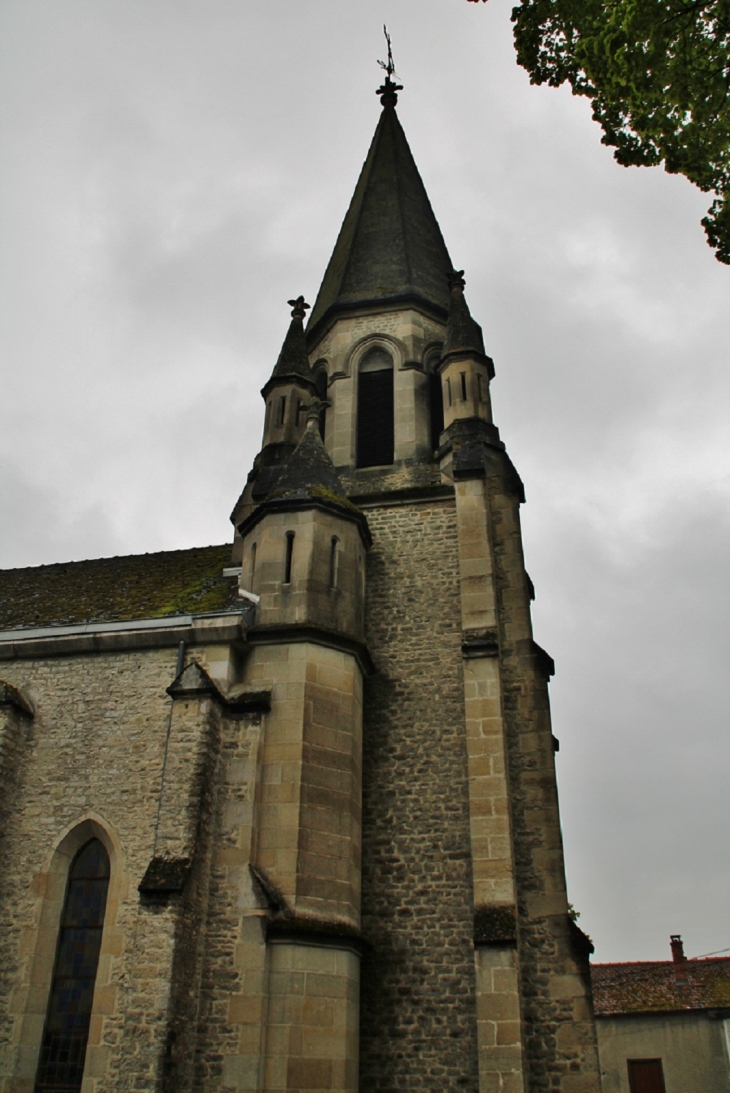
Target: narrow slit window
(334,561)
(320,384)
(436,408)
(66,1032)
(448,392)
(282,409)
(252,567)
(267,416)
(288,557)
(480,391)
(463,386)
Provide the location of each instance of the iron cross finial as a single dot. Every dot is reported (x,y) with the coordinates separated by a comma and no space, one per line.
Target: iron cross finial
(388,92)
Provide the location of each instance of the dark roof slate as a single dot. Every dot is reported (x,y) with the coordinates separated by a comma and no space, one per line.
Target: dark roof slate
(390,246)
(135,586)
(651,987)
(463,334)
(293,359)
(309,471)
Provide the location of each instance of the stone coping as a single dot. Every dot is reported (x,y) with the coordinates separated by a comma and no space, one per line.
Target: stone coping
(96,637)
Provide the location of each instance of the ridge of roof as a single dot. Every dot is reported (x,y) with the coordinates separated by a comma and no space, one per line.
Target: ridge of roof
(692,960)
(390,248)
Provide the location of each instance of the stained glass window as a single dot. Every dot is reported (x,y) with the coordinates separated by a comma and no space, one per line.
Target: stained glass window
(66,1032)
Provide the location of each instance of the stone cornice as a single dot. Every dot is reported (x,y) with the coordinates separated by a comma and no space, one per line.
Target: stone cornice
(103,637)
(316,635)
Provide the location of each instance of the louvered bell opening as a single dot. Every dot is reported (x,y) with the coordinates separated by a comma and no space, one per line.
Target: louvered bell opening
(375,431)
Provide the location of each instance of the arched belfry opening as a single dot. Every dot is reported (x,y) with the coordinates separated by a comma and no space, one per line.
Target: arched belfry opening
(375,406)
(66,1032)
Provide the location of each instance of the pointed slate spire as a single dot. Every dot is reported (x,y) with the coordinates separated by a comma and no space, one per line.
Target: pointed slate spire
(390,249)
(293,360)
(309,471)
(463,334)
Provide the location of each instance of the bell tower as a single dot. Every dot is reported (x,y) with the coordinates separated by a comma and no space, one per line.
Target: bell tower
(407,837)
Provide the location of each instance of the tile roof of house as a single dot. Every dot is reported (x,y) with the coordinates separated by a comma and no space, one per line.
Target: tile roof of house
(135,586)
(651,986)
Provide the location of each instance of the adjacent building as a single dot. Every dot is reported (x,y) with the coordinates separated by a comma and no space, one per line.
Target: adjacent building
(664,1025)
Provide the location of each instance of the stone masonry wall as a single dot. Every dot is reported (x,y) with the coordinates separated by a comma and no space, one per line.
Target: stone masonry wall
(98,740)
(418,1010)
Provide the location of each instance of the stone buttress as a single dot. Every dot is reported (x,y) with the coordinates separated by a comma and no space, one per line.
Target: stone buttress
(303,551)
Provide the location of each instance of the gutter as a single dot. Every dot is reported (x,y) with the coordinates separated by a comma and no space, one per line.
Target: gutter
(101,637)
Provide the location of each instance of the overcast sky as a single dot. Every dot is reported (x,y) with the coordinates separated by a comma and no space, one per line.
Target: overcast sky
(173,171)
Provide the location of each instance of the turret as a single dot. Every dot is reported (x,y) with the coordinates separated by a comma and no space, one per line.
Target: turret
(288,391)
(304,546)
(465,369)
(287,394)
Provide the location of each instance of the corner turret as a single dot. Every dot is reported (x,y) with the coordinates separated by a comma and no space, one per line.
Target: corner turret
(291,385)
(287,394)
(465,369)
(303,548)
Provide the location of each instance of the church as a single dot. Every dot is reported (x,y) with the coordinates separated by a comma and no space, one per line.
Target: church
(283,815)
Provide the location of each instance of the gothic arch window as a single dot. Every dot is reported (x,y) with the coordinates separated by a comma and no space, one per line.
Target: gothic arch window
(375,404)
(66,1031)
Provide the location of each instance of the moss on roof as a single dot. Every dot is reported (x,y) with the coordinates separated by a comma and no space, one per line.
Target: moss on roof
(135,586)
(651,987)
(309,469)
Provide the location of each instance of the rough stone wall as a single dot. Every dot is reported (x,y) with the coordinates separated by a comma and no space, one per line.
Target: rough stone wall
(418,1011)
(560,1044)
(16,741)
(97,748)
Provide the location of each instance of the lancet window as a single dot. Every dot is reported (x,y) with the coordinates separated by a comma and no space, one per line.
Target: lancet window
(375,404)
(66,1032)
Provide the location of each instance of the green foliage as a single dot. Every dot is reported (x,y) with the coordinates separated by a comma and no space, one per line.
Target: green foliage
(657,73)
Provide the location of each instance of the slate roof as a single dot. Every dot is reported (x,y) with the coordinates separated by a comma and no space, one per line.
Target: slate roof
(651,987)
(293,359)
(309,471)
(463,334)
(135,586)
(390,247)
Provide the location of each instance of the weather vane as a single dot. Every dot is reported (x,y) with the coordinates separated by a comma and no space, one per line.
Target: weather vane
(387,92)
(390,66)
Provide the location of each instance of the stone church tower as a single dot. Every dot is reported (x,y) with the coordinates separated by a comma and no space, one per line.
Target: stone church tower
(309,793)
